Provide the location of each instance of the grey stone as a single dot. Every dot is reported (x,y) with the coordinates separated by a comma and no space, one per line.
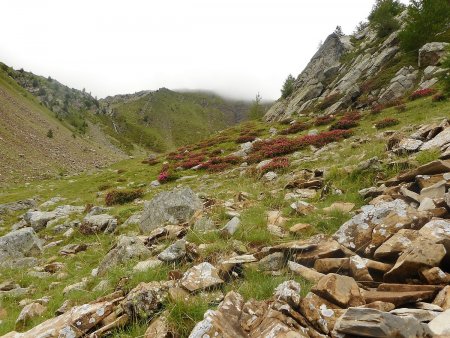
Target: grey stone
(127,248)
(174,252)
(373,323)
(19,245)
(432,53)
(231,227)
(272,262)
(174,207)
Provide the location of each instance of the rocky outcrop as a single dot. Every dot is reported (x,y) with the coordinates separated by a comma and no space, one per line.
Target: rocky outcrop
(310,83)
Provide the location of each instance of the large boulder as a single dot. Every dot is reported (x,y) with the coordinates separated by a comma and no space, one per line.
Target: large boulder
(174,207)
(432,53)
(18,245)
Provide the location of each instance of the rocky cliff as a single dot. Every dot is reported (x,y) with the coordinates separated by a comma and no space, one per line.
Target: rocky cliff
(359,71)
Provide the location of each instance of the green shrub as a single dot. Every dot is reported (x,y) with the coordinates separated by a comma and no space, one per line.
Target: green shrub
(50,133)
(383,16)
(288,86)
(122,196)
(426,19)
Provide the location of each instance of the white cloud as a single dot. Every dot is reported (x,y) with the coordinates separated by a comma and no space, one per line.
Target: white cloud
(234,47)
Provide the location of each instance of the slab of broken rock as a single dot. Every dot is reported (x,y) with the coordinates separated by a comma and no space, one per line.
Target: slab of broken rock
(200,277)
(373,323)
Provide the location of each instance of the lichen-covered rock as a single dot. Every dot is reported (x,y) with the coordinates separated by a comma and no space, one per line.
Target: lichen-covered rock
(93,224)
(174,252)
(201,276)
(174,207)
(76,322)
(127,248)
(145,300)
(18,245)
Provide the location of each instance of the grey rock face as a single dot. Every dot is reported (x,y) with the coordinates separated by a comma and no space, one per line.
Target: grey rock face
(173,207)
(19,244)
(432,53)
(126,248)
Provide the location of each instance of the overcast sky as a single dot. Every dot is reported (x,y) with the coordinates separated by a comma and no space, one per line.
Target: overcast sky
(234,47)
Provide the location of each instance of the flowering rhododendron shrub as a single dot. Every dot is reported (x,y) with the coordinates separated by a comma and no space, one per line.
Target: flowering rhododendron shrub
(283,145)
(324,120)
(422,93)
(295,128)
(245,138)
(348,121)
(275,164)
(387,122)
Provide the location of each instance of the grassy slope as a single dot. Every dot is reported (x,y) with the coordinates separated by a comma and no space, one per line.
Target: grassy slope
(27,152)
(165,119)
(339,164)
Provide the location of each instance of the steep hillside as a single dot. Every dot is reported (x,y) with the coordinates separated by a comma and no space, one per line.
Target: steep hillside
(35,144)
(361,71)
(164,119)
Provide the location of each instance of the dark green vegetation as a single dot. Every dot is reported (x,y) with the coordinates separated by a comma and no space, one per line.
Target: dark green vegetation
(427,21)
(288,86)
(383,16)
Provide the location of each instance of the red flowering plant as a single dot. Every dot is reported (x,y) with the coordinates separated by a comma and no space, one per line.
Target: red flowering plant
(324,120)
(166,174)
(295,128)
(422,93)
(348,121)
(275,164)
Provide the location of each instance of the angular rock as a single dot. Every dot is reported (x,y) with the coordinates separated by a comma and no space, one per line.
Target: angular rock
(95,224)
(321,313)
(419,314)
(327,265)
(398,298)
(204,224)
(299,228)
(423,253)
(395,245)
(72,249)
(174,252)
(438,229)
(305,272)
(29,312)
(231,227)
(201,276)
(441,324)
(340,290)
(443,298)
(435,276)
(431,53)
(76,322)
(174,207)
(18,245)
(272,262)
(223,322)
(127,248)
(145,300)
(373,323)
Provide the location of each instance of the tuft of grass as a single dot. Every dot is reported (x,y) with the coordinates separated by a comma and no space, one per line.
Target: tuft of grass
(115,196)
(183,315)
(426,156)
